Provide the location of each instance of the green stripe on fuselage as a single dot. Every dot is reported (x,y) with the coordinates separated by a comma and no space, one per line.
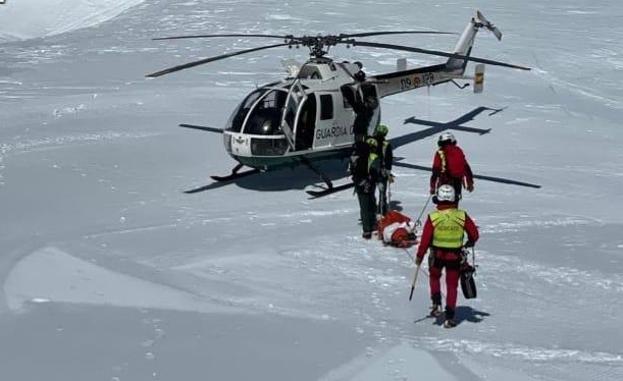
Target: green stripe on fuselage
(291,159)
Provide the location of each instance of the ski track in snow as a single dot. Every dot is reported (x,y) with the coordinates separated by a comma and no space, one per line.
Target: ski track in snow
(519,352)
(313,280)
(526,223)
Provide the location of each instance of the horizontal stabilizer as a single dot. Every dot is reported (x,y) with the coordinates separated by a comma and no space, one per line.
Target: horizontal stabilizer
(202,128)
(479,131)
(481,177)
(423,122)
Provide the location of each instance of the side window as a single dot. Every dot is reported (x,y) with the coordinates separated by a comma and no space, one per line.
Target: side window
(347,104)
(326,107)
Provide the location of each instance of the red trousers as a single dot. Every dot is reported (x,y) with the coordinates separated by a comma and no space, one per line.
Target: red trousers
(452,282)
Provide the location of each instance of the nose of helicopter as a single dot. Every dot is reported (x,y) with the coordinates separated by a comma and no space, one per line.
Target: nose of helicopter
(236,144)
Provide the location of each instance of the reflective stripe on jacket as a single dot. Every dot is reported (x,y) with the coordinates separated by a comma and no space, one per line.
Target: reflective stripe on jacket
(449,228)
(372,162)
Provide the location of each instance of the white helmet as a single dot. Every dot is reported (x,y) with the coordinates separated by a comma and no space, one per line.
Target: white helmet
(446,193)
(446,137)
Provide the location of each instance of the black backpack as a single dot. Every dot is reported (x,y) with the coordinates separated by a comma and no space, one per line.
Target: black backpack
(467,272)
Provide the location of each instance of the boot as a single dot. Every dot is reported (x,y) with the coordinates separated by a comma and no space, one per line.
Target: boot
(450,322)
(435,310)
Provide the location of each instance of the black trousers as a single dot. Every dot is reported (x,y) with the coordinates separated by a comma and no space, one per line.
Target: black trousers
(367,209)
(383,201)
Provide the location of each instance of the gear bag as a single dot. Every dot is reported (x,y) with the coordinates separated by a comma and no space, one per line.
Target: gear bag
(467,272)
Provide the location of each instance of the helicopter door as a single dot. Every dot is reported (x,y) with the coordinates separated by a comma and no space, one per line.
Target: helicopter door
(296,96)
(334,123)
(305,124)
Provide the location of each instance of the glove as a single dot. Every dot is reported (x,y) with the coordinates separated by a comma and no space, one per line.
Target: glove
(391,178)
(418,261)
(469,244)
(470,187)
(432,191)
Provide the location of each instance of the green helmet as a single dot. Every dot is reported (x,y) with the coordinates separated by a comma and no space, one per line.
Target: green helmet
(381,130)
(372,142)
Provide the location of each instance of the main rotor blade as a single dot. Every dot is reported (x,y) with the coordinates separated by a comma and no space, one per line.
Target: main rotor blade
(211,59)
(481,177)
(432,52)
(221,35)
(380,33)
(202,128)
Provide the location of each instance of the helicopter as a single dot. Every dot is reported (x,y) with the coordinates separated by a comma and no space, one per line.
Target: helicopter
(315,113)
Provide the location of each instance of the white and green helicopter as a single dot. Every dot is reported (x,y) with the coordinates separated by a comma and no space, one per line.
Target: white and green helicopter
(309,116)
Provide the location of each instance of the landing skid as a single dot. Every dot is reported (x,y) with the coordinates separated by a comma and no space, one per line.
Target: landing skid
(224,180)
(328,191)
(235,174)
(317,171)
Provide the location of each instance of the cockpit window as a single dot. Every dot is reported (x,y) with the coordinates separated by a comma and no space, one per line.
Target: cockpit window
(265,118)
(237,117)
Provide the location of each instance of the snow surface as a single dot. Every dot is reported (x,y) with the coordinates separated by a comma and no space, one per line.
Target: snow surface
(23,19)
(116,274)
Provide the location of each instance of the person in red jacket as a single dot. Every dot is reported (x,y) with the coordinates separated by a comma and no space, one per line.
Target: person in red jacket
(450,166)
(444,232)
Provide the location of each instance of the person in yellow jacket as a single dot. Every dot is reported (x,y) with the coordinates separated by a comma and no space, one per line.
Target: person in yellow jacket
(444,232)
(386,156)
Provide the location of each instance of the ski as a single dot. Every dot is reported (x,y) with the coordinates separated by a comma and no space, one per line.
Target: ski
(328,191)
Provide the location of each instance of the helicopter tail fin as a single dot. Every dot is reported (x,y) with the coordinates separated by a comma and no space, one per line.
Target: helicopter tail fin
(466,41)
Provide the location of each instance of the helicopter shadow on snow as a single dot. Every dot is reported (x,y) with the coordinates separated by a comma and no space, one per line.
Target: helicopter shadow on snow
(301,177)
(283,179)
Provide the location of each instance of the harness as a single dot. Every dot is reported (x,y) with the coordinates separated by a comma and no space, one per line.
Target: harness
(442,157)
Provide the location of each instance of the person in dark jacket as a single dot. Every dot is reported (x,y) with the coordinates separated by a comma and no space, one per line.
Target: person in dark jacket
(364,168)
(444,233)
(362,98)
(451,167)
(386,157)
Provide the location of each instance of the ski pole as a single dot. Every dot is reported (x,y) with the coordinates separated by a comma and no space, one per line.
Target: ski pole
(389,193)
(417,270)
(419,218)
(474,256)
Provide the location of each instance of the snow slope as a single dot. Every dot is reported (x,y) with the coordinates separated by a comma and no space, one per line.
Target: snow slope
(116,274)
(23,19)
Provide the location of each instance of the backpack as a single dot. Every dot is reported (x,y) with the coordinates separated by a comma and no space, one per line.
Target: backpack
(467,272)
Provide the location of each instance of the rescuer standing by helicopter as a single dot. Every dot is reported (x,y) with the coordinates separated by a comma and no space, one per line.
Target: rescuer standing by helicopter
(451,167)
(365,171)
(386,157)
(362,97)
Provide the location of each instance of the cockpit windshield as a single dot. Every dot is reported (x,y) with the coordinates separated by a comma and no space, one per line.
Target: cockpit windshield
(265,118)
(236,119)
